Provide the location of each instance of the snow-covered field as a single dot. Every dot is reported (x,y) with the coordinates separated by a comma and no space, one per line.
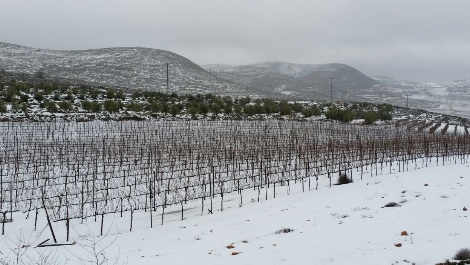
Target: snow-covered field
(345,224)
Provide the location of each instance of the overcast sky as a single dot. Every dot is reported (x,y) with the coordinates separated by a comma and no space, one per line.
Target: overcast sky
(418,40)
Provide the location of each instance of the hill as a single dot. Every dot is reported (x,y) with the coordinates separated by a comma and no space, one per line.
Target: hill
(298,80)
(144,68)
(305,81)
(449,97)
(135,68)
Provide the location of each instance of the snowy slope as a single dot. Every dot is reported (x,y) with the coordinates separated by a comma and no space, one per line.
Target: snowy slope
(135,68)
(298,80)
(450,98)
(143,68)
(339,225)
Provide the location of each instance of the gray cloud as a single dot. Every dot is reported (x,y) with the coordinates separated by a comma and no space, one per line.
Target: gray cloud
(422,40)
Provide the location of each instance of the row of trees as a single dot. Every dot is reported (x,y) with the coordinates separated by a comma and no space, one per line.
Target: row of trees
(62,98)
(383,112)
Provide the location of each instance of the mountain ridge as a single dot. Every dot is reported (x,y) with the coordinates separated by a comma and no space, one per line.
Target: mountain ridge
(145,68)
(130,67)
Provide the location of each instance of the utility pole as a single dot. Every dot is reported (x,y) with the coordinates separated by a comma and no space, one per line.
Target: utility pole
(331,88)
(167,78)
(407,100)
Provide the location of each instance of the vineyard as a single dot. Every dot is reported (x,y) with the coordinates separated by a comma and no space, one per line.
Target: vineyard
(91,169)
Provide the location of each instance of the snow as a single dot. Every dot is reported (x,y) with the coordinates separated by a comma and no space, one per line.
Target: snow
(344,224)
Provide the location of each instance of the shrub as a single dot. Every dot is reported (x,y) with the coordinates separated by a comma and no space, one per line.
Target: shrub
(340,115)
(462,254)
(370,117)
(3,107)
(284,231)
(344,179)
(284,108)
(38,96)
(392,204)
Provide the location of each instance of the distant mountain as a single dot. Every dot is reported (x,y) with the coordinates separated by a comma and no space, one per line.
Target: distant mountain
(135,68)
(143,68)
(301,81)
(451,98)
(298,81)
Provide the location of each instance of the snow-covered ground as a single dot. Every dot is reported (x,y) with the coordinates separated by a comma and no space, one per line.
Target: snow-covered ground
(345,224)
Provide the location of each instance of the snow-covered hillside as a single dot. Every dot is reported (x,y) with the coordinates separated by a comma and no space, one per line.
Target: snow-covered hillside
(450,98)
(135,68)
(313,82)
(298,80)
(143,68)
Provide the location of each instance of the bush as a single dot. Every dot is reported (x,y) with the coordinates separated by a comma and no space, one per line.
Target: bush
(284,108)
(462,254)
(392,204)
(370,117)
(344,179)
(340,115)
(284,231)
(3,107)
(38,96)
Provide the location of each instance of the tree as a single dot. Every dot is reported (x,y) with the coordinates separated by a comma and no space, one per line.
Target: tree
(284,108)
(270,106)
(297,107)
(174,110)
(65,106)
(215,108)
(165,108)
(38,96)
(258,109)
(154,107)
(193,111)
(228,108)
(238,110)
(135,106)
(348,116)
(110,94)
(311,111)
(69,97)
(340,115)
(209,97)
(244,101)
(11,95)
(3,107)
(50,106)
(203,109)
(249,110)
(111,106)
(24,108)
(94,94)
(227,100)
(24,97)
(15,107)
(91,106)
(370,117)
